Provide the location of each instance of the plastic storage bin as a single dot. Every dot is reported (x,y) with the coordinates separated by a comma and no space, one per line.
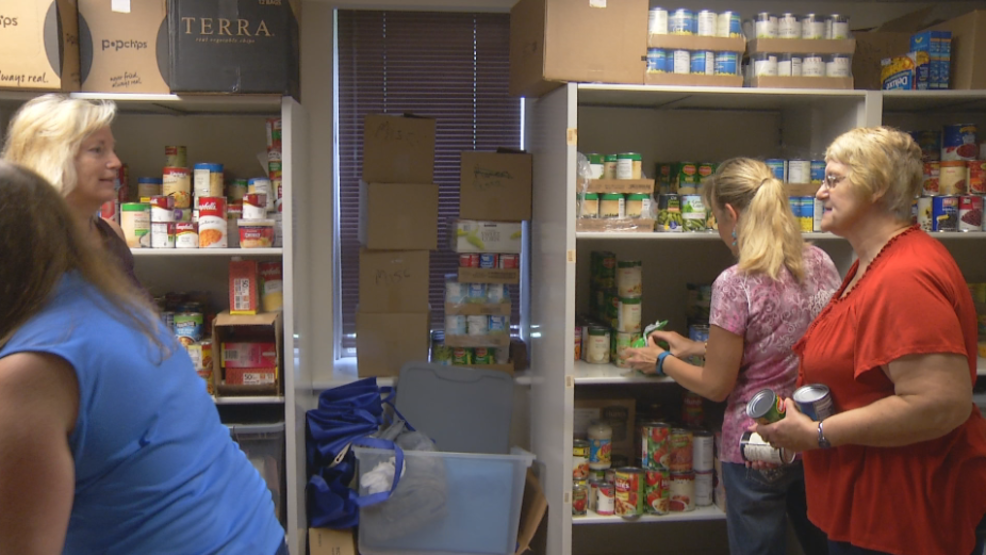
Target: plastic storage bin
(475,505)
(263,445)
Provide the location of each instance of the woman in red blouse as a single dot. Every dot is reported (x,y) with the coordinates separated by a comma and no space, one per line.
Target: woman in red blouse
(900,467)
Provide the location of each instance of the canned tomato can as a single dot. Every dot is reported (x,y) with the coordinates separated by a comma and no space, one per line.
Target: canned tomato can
(729,24)
(754,448)
(455,324)
(605,499)
(702,451)
(657,60)
(682,22)
(680,457)
(726,63)
(175,156)
(788,26)
(629,486)
(959,142)
(837,65)
(704,484)
(812,27)
(765,26)
(460,355)
(682,492)
(932,174)
(819,211)
(681,61)
(953,177)
(580,500)
(807,214)
(703,62)
(813,65)
(469,260)
(707,23)
(814,401)
(487,261)
(977,177)
(162,235)
(657,21)
(817,172)
(477,325)
(482,355)
(580,459)
(509,261)
(657,491)
(186,235)
(765,407)
(970,213)
(924,212)
(945,213)
(655,443)
(778,166)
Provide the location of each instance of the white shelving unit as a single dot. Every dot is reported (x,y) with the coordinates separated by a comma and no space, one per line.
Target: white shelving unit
(229,129)
(699,513)
(675,123)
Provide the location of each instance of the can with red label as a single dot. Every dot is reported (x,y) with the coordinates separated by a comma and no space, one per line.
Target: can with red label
(680,459)
(509,261)
(929,186)
(255,206)
(177,183)
(186,235)
(977,177)
(469,260)
(657,491)
(655,443)
(487,261)
(580,499)
(682,492)
(629,484)
(959,142)
(162,209)
(213,227)
(605,499)
(110,210)
(970,213)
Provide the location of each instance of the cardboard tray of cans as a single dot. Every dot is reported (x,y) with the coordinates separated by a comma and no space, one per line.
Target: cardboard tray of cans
(802,46)
(489,275)
(477,309)
(801,189)
(695,42)
(621,186)
(499,339)
(633,225)
(792,82)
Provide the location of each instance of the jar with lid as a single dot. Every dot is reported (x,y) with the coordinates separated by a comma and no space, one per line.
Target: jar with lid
(612,206)
(609,166)
(600,445)
(590,206)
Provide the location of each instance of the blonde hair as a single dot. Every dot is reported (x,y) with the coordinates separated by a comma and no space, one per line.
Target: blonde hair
(767,236)
(884,163)
(46,133)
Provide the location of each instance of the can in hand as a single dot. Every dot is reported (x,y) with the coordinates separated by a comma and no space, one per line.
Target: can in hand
(815,401)
(765,407)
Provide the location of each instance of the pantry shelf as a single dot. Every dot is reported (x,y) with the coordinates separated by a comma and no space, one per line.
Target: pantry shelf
(695,236)
(939,101)
(344,371)
(207,252)
(708,98)
(700,513)
(254,400)
(600,374)
(170,104)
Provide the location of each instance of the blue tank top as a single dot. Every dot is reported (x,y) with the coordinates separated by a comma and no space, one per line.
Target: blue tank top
(155,469)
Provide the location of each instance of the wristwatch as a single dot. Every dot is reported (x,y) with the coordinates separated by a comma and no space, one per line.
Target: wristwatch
(822,442)
(660,362)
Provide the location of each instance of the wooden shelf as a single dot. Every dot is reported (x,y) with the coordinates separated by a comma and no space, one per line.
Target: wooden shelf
(700,513)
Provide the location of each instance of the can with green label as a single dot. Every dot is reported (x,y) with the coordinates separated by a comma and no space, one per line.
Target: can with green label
(693,213)
(669,213)
(461,355)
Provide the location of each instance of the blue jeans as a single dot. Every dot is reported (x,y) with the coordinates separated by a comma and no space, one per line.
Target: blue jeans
(756,505)
(283,550)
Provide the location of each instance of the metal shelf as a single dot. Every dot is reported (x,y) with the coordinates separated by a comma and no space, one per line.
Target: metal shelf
(700,513)
(206,252)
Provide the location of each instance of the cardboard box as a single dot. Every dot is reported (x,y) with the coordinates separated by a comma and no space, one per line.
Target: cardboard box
(792,82)
(968,70)
(39,46)
(398,216)
(694,42)
(266,326)
(124,52)
(476,309)
(244,286)
(473,236)
(555,41)
(251,376)
(398,149)
(483,275)
(622,185)
(325,541)
(692,80)
(802,46)
(386,342)
(250,354)
(234,46)
(495,186)
(871,48)
(499,339)
(618,413)
(393,281)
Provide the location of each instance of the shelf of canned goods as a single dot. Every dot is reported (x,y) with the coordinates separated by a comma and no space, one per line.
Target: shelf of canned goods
(700,513)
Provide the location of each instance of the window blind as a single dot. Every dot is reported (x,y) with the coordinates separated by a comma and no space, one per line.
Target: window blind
(453,67)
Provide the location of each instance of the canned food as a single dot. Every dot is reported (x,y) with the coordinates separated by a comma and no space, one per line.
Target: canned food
(817,172)
(789,65)
(818,211)
(629,278)
(605,499)
(788,26)
(612,206)
(693,213)
(455,324)
(688,178)
(977,177)
(188,327)
(262,185)
(754,448)
(135,220)
(476,292)
(469,260)
(638,205)
(629,486)
(208,180)
(669,213)
(460,355)
(655,443)
(837,27)
(255,206)
(681,61)
(924,211)
(682,492)
(598,475)
(970,213)
(620,343)
(497,293)
(806,219)
(580,459)
(778,167)
(764,64)
(588,206)
(499,324)
(162,209)
(837,65)
(162,235)
(597,347)
(580,500)
(482,355)
(628,314)
(657,60)
(488,261)
(657,21)
(509,261)
(729,24)
(186,235)
(682,22)
(680,457)
(812,27)
(705,171)
(765,407)
(953,177)
(175,156)
(609,166)
(814,401)
(704,485)
(959,142)
(703,62)
(177,183)
(628,165)
(799,171)
(727,63)
(813,65)
(657,491)
(766,26)
(702,451)
(213,227)
(237,190)
(440,353)
(932,175)
(707,23)
(477,325)
(149,187)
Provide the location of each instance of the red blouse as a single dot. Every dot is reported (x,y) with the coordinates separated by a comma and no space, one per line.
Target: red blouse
(920,499)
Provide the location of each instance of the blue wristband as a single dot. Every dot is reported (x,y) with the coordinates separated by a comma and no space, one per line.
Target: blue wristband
(660,362)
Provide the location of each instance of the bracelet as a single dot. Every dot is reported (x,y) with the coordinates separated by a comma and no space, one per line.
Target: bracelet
(823,443)
(660,362)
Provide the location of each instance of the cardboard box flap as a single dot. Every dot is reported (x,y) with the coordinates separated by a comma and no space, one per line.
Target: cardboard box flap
(531,512)
(802,46)
(224,318)
(693,42)
(908,23)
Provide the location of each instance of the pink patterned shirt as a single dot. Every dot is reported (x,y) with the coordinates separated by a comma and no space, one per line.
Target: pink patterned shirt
(770,316)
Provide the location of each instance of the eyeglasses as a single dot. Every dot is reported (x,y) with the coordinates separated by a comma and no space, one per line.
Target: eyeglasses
(831,180)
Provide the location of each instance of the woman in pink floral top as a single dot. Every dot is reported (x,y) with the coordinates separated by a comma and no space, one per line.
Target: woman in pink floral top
(760,307)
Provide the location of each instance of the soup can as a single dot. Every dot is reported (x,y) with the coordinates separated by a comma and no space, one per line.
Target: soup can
(657,491)
(629,486)
(162,209)
(262,185)
(812,27)
(702,451)
(175,156)
(707,23)
(186,235)
(977,177)
(655,445)
(657,21)
(970,213)
(754,448)
(959,142)
(953,177)
(254,206)
(177,183)
(682,22)
(729,24)
(682,61)
(766,26)
(162,235)
(788,26)
(704,484)
(814,401)
(657,60)
(932,173)
(682,492)
(213,228)
(924,212)
(605,499)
